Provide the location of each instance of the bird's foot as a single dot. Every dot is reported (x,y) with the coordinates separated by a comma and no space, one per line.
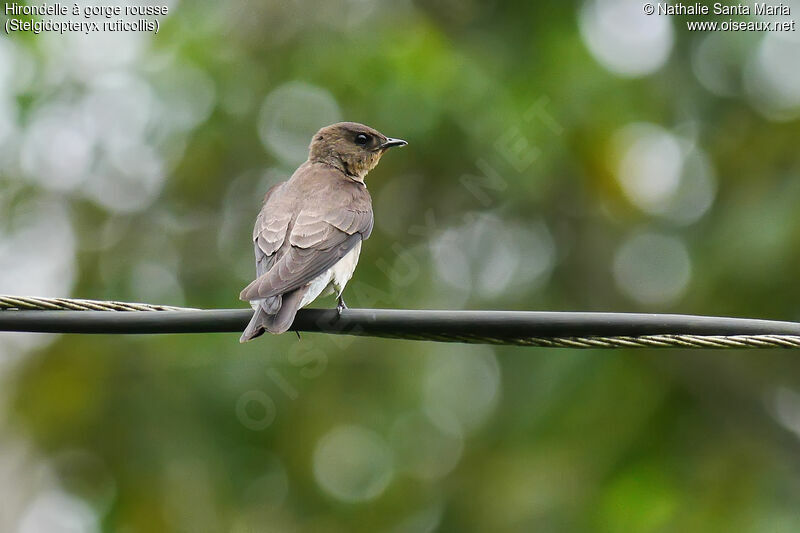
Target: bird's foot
(340,305)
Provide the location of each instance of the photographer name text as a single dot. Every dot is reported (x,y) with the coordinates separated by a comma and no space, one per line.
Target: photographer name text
(758,9)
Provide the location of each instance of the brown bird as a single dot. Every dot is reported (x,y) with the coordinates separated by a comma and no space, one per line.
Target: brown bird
(308,234)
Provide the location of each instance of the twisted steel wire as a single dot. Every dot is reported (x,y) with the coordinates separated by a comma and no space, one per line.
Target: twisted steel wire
(521,328)
(611,342)
(31,303)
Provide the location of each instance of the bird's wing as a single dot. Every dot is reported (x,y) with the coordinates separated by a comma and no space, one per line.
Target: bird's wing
(269,232)
(317,240)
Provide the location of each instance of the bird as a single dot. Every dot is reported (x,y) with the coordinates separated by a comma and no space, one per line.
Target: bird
(308,234)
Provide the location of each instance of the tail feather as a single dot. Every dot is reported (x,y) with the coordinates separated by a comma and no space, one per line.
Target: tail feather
(274,322)
(255,328)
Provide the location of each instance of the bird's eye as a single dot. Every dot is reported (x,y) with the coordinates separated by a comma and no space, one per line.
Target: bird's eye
(361,139)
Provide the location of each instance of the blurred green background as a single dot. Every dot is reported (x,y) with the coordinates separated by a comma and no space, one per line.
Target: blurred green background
(563,156)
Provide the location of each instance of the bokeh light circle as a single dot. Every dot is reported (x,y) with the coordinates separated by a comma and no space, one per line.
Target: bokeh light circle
(56,511)
(717,60)
(623,39)
(463,382)
(491,256)
(353,464)
(649,169)
(290,115)
(652,268)
(772,77)
(664,174)
(57,147)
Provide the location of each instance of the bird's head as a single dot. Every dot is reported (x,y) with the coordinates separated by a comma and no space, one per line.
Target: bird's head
(351,147)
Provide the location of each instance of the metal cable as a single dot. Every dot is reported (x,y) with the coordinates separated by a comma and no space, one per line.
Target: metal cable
(643,341)
(518,328)
(72,304)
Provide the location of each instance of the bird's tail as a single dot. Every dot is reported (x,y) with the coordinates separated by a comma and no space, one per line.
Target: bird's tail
(256,326)
(277,322)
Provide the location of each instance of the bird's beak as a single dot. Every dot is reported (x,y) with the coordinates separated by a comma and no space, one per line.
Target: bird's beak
(392,142)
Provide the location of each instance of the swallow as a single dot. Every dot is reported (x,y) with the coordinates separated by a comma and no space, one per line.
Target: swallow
(308,234)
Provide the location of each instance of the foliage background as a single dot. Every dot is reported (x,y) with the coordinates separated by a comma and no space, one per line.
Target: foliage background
(563,156)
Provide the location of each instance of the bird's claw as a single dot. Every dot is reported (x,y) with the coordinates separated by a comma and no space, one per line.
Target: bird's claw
(340,306)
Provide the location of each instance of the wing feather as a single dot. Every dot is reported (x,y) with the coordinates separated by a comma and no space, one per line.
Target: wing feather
(293,250)
(316,245)
(270,230)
